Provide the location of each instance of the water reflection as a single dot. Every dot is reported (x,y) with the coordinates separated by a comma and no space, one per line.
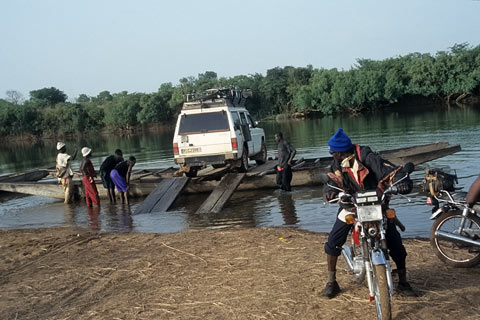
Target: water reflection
(287,208)
(234,214)
(70,213)
(93,220)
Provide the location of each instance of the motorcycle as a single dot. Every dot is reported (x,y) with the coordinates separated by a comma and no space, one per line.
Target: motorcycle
(455,233)
(367,257)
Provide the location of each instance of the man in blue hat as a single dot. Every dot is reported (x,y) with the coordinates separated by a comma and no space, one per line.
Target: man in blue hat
(356,168)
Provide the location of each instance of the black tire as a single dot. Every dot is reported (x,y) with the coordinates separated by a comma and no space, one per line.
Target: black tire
(263,155)
(452,253)
(383,300)
(244,163)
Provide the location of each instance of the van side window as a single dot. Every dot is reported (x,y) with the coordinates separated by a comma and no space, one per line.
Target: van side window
(235,119)
(243,118)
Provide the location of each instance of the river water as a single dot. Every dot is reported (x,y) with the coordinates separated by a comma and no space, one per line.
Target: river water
(302,208)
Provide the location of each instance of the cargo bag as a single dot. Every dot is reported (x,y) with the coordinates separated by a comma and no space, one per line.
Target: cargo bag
(437,180)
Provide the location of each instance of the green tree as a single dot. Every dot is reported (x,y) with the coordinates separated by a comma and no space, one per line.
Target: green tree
(82,98)
(47,96)
(207,80)
(102,98)
(156,107)
(122,111)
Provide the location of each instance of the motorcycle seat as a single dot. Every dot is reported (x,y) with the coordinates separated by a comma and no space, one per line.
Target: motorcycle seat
(459,196)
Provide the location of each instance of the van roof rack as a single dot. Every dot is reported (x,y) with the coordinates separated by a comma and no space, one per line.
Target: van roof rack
(218,97)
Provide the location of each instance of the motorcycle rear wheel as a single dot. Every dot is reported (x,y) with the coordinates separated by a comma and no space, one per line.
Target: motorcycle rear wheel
(383,300)
(455,254)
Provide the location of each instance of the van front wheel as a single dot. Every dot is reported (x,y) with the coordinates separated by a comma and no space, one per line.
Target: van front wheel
(244,164)
(262,156)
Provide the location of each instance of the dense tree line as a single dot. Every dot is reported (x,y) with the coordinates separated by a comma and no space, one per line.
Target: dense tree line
(450,75)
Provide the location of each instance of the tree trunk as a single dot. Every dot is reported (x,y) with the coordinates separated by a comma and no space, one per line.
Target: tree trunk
(449,97)
(461,97)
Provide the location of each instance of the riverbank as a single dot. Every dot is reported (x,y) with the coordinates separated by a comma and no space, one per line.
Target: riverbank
(256,273)
(47,137)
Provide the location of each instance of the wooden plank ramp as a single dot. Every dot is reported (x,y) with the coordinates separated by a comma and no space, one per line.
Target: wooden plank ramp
(221,194)
(162,197)
(423,157)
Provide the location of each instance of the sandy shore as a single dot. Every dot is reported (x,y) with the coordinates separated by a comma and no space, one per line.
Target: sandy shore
(261,273)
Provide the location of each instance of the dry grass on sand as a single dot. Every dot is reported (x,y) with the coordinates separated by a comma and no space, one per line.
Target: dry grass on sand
(261,273)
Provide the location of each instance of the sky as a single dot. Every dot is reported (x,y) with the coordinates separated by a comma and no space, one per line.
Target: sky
(91,46)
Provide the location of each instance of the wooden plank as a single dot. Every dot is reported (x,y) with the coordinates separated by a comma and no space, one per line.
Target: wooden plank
(162,197)
(408,151)
(221,194)
(172,194)
(420,158)
(213,174)
(152,199)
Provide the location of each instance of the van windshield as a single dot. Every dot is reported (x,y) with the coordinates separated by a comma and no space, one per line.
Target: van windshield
(203,122)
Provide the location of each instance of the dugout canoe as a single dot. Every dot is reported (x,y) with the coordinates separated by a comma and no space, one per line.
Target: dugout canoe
(27,176)
(306,172)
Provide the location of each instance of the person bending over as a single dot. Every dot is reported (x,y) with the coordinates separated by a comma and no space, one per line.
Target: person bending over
(107,166)
(121,177)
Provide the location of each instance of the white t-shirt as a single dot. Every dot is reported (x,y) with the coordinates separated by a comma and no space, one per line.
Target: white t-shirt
(63,160)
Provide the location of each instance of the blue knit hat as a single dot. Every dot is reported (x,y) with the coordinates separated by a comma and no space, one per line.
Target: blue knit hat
(340,142)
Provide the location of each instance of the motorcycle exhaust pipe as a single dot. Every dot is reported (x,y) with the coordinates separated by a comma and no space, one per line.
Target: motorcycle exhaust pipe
(347,254)
(457,238)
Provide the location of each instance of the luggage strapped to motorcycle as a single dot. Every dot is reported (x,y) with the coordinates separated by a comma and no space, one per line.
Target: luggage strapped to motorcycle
(436,180)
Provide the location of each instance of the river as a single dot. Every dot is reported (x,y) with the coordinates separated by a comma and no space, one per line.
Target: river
(302,208)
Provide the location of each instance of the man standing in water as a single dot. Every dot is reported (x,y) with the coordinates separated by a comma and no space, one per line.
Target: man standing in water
(64,171)
(88,176)
(285,156)
(107,166)
(355,168)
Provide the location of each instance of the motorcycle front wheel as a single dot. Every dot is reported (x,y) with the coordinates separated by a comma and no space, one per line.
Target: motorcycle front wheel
(454,253)
(383,300)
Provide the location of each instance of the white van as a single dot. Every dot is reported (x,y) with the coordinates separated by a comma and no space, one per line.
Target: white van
(217,130)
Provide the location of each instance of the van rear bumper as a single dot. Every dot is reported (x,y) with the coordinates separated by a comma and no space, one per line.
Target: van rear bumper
(201,161)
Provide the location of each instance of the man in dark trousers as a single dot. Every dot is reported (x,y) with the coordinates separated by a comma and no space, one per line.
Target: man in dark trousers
(356,168)
(107,166)
(285,156)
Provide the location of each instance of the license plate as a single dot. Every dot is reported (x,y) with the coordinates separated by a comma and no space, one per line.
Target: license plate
(190,150)
(369,213)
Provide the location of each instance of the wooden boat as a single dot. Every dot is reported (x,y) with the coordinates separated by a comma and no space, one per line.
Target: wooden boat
(31,175)
(307,172)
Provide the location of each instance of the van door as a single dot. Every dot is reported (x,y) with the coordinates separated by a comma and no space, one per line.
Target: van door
(256,134)
(246,131)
